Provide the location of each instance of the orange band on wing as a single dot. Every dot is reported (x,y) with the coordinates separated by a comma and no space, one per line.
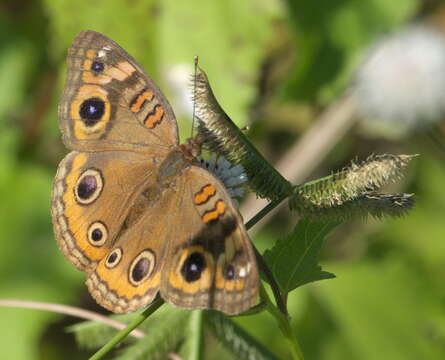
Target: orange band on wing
(154,117)
(139,101)
(204,194)
(215,213)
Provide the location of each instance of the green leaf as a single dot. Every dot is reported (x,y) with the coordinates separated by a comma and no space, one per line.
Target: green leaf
(163,336)
(294,258)
(92,335)
(192,347)
(234,338)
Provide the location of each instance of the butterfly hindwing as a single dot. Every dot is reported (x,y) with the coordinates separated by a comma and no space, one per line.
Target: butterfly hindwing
(211,264)
(129,277)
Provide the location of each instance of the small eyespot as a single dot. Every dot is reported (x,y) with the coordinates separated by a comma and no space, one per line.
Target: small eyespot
(88,187)
(113,258)
(97,66)
(92,110)
(193,267)
(97,233)
(142,267)
(229,272)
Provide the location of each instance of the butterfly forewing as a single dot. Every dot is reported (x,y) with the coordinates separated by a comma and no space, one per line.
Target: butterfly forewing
(109,103)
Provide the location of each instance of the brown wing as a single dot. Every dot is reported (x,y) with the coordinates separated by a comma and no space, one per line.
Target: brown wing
(92,196)
(129,277)
(109,103)
(209,262)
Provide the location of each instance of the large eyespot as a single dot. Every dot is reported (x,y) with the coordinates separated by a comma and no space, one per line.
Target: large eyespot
(142,267)
(113,258)
(97,233)
(97,66)
(193,267)
(88,187)
(92,110)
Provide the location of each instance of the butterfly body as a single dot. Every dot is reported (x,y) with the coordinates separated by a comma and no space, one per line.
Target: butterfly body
(131,206)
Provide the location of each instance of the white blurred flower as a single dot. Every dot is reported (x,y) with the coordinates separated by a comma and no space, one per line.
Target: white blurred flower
(233,177)
(401,83)
(178,81)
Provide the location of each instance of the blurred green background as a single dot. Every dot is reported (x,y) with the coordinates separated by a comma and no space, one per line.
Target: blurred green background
(274,65)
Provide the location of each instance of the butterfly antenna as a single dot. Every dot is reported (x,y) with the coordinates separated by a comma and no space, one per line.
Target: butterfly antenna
(194,93)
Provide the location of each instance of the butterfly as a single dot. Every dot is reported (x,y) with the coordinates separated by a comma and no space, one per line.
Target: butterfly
(133,208)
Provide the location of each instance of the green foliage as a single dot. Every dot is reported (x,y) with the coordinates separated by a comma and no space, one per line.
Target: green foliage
(164,329)
(192,346)
(111,18)
(240,343)
(164,333)
(171,329)
(381,305)
(229,40)
(329,36)
(92,335)
(294,258)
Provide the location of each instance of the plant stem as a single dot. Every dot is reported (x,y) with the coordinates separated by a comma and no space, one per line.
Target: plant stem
(260,261)
(256,309)
(156,304)
(279,313)
(197,334)
(284,325)
(263,212)
(70,311)
(262,265)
